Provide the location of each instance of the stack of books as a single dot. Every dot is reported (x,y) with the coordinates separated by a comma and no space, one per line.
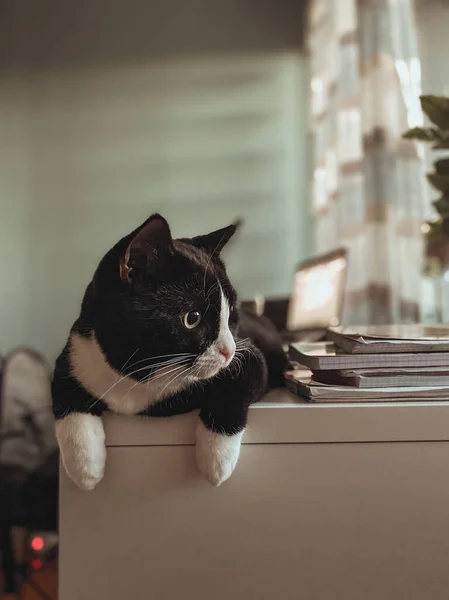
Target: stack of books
(379,363)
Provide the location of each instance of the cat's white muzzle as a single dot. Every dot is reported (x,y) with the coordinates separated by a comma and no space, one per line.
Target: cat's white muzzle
(219,355)
(214,359)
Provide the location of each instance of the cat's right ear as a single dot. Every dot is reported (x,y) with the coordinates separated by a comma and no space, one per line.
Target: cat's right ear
(213,243)
(147,250)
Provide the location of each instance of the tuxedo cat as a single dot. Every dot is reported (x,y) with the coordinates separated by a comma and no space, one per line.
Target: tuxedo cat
(157,336)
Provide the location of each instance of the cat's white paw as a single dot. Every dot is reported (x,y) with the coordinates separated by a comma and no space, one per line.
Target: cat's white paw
(216,454)
(81,441)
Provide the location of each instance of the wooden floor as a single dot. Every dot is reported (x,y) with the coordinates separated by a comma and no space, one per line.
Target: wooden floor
(46,581)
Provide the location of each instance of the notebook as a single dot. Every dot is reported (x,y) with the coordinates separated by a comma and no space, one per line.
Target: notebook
(304,386)
(387,339)
(323,356)
(372,378)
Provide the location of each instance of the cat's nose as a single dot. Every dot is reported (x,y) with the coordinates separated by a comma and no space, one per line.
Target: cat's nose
(227,352)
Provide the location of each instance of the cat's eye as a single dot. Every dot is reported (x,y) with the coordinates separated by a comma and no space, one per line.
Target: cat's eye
(192,319)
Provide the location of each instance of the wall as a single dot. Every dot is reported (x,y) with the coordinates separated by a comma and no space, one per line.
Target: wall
(114,112)
(15,201)
(432,17)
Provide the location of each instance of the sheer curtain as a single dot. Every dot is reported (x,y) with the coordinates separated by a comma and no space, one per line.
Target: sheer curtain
(368,186)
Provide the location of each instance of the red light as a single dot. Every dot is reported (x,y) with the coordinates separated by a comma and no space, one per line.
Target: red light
(36,564)
(37,544)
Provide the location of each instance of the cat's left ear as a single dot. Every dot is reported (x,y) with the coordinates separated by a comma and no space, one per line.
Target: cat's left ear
(213,243)
(148,249)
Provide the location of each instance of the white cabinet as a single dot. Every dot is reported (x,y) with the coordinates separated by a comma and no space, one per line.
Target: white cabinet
(327,503)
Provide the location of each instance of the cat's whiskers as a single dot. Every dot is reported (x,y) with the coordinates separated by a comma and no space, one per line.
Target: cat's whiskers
(237,361)
(220,283)
(166,363)
(186,370)
(102,397)
(243,343)
(197,369)
(131,356)
(150,379)
(243,346)
(183,354)
(130,389)
(160,374)
(251,351)
(213,287)
(129,375)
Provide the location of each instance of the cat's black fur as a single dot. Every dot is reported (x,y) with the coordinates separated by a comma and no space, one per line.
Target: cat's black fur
(264,335)
(133,311)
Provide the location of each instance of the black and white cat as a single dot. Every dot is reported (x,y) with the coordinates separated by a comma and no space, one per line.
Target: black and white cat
(157,336)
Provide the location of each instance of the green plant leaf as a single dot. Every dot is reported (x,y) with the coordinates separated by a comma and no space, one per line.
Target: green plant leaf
(442,206)
(446,227)
(443,142)
(437,109)
(442,166)
(440,182)
(441,145)
(423,134)
(436,232)
(433,264)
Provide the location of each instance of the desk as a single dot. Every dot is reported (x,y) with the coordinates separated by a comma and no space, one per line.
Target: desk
(328,502)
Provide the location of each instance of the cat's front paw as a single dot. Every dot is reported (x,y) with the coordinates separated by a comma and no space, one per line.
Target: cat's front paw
(216,454)
(84,470)
(82,444)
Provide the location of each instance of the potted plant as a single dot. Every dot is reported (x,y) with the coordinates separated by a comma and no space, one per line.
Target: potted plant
(437,232)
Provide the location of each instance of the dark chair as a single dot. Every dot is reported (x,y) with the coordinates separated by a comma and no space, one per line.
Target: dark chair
(28,472)
(274,309)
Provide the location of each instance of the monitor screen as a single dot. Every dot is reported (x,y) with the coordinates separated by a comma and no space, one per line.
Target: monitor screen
(317,294)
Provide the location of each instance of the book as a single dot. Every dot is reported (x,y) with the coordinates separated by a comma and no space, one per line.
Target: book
(323,356)
(375,378)
(304,386)
(388,339)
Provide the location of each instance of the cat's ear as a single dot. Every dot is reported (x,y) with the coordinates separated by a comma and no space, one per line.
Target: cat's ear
(213,243)
(147,249)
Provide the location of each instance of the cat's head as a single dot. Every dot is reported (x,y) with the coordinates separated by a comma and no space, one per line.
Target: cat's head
(167,300)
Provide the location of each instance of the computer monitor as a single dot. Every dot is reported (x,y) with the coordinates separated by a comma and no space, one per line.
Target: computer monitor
(318,292)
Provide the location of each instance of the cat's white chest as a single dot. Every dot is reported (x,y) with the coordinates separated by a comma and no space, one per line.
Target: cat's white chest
(126,397)
(121,394)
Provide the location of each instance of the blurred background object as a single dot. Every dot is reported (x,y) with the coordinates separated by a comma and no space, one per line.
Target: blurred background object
(28,469)
(368,182)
